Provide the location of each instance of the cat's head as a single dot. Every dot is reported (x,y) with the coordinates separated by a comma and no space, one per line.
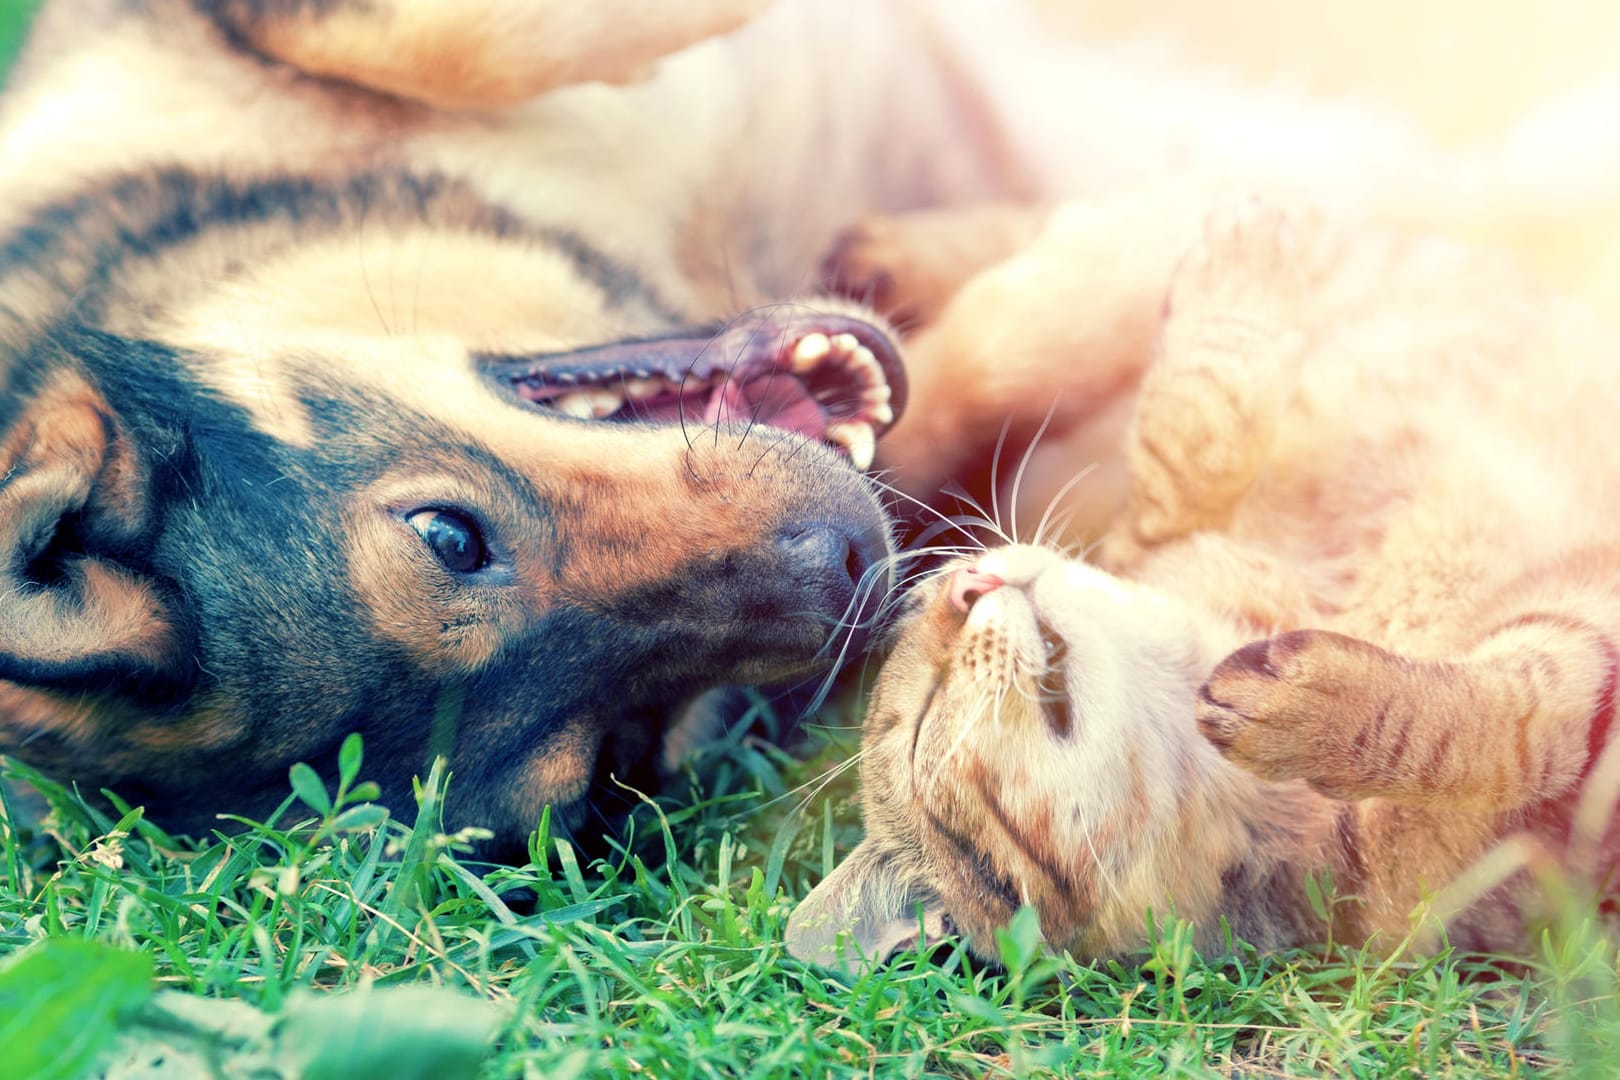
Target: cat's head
(1030,740)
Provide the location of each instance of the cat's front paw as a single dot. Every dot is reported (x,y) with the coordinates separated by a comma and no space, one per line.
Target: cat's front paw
(1245,278)
(1292,706)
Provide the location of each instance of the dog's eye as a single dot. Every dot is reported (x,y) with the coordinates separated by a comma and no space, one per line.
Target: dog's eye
(453,538)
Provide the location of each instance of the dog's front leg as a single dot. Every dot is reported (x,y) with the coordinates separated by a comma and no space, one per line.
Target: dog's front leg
(475,54)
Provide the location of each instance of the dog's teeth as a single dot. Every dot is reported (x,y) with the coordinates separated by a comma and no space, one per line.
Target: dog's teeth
(603,402)
(643,387)
(811,350)
(879,394)
(881,414)
(857,438)
(864,362)
(590,404)
(845,343)
(576,404)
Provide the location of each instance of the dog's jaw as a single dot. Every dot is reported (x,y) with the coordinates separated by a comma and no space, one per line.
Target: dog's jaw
(829,377)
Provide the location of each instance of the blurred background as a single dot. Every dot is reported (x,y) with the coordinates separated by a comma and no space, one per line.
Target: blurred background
(1465,70)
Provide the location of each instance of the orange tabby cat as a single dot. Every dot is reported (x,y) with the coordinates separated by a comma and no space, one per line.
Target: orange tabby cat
(1355,615)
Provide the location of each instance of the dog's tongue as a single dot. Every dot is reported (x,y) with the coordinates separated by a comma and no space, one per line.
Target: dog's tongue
(776,399)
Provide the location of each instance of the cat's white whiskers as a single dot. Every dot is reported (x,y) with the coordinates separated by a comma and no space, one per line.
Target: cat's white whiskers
(975,713)
(1097,860)
(1023,465)
(1041,535)
(820,782)
(995,482)
(947,520)
(1078,550)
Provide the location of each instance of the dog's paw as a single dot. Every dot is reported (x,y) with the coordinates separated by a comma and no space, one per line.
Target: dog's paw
(909,267)
(1288,707)
(698,723)
(872,263)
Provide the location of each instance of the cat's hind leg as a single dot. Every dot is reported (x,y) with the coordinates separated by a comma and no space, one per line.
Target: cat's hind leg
(1230,347)
(1518,719)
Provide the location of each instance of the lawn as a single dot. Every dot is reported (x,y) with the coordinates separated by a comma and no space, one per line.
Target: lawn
(333,941)
(13,20)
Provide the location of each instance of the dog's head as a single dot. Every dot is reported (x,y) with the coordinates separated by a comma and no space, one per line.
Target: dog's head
(522,563)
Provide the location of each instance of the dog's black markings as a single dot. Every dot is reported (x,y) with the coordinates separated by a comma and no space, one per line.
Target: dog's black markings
(77,243)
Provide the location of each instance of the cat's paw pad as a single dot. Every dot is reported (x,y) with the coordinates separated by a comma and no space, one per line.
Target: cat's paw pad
(1244,281)
(1275,706)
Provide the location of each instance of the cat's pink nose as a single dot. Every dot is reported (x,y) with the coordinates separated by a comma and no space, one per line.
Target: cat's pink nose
(970,583)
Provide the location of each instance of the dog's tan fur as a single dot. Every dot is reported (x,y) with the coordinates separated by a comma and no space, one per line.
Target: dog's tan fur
(1385,462)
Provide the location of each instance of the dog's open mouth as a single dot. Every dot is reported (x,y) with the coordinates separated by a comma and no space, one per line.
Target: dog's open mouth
(828,377)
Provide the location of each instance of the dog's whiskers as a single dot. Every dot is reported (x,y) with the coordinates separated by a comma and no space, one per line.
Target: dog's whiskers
(781,345)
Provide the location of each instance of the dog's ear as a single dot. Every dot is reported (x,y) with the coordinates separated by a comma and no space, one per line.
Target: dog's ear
(74,504)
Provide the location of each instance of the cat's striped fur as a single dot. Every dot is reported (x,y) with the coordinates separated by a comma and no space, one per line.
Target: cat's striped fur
(1357,616)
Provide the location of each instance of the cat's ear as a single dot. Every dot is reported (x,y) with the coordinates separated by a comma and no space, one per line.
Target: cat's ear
(862,913)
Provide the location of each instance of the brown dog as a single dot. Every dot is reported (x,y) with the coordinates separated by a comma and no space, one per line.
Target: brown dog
(309,426)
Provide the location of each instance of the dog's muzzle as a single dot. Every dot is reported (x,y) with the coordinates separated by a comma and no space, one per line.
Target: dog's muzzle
(829,377)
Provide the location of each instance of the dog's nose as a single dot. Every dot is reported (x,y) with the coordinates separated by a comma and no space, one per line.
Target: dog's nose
(970,583)
(832,560)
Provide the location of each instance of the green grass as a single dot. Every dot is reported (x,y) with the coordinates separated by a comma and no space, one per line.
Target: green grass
(14,16)
(331,941)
